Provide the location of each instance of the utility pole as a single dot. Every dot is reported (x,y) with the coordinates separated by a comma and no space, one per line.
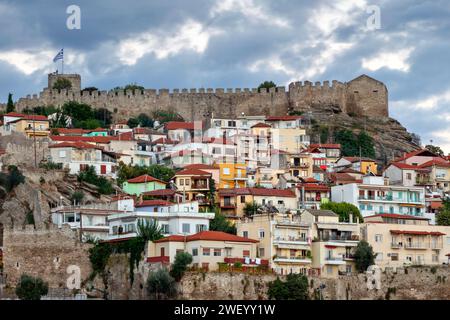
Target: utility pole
(34,141)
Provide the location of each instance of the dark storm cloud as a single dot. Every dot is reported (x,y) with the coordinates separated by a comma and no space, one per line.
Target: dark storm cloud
(230,43)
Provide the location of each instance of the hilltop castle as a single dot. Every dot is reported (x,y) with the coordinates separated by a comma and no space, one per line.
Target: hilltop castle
(362,96)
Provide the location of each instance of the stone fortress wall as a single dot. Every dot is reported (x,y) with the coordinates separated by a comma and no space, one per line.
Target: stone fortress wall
(363,96)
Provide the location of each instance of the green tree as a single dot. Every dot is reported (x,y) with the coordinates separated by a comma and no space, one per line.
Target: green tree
(354,145)
(10,105)
(145,121)
(149,230)
(104,186)
(343,209)
(364,256)
(77,197)
(435,149)
(12,178)
(62,83)
(443,217)
(221,223)
(365,142)
(90,89)
(30,288)
(89,124)
(179,267)
(164,116)
(251,208)
(160,285)
(133,122)
(212,192)
(104,116)
(294,288)
(267,85)
(77,111)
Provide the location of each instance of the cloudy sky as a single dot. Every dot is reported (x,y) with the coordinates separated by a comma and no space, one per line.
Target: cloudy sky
(238,43)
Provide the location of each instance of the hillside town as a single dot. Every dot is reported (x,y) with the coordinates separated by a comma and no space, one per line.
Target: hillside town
(254,193)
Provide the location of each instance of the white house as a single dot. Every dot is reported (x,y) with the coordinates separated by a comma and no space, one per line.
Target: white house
(375,196)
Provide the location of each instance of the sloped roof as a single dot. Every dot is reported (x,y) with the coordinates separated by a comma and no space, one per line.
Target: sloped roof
(192,172)
(76,145)
(286,193)
(322,213)
(326,146)
(153,203)
(176,125)
(261,125)
(397,216)
(144,179)
(207,236)
(283,118)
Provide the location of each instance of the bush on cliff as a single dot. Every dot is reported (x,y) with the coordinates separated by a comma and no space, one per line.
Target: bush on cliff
(30,288)
(294,288)
(160,285)
(179,267)
(12,178)
(364,256)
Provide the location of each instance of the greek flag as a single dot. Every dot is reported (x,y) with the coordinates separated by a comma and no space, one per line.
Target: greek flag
(59,56)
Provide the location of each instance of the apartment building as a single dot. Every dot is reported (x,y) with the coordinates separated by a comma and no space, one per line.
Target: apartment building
(375,196)
(402,240)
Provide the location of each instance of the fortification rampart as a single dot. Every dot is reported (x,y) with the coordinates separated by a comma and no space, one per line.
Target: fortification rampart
(361,96)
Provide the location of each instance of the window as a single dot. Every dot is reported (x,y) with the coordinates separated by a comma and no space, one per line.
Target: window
(242,199)
(408,176)
(217,252)
(181,182)
(246,253)
(245,234)
(165,228)
(206,252)
(261,252)
(186,228)
(394,256)
(226,171)
(114,230)
(362,207)
(200,228)
(280,202)
(195,252)
(261,233)
(188,182)
(329,270)
(435,258)
(216,151)
(62,153)
(378,238)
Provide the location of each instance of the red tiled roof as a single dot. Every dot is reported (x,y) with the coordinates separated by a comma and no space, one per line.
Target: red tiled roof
(192,172)
(313,187)
(310,180)
(424,233)
(127,136)
(145,178)
(436,162)
(35,117)
(258,192)
(415,153)
(70,131)
(261,125)
(325,146)
(164,141)
(176,125)
(207,236)
(153,203)
(404,166)
(283,118)
(77,145)
(436,204)
(397,216)
(14,114)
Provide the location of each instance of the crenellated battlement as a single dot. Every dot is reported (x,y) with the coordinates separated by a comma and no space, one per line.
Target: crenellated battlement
(362,95)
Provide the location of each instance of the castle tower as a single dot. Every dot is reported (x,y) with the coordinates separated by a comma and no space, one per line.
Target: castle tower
(75,79)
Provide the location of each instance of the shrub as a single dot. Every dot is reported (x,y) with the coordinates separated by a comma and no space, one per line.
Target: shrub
(179,267)
(160,285)
(30,288)
(12,178)
(294,288)
(364,256)
(77,197)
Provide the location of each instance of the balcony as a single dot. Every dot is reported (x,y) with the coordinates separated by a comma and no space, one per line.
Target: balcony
(416,245)
(290,242)
(335,260)
(291,259)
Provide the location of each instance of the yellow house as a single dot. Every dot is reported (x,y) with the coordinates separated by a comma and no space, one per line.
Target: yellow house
(400,240)
(31,125)
(301,165)
(232,175)
(364,165)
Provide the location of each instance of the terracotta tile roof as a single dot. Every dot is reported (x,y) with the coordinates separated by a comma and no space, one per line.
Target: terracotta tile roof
(405,166)
(76,145)
(349,170)
(14,114)
(439,162)
(326,146)
(313,187)
(127,136)
(207,236)
(192,172)
(436,205)
(153,203)
(71,131)
(261,125)
(283,118)
(424,233)
(258,192)
(176,125)
(164,141)
(418,152)
(145,178)
(35,117)
(397,216)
